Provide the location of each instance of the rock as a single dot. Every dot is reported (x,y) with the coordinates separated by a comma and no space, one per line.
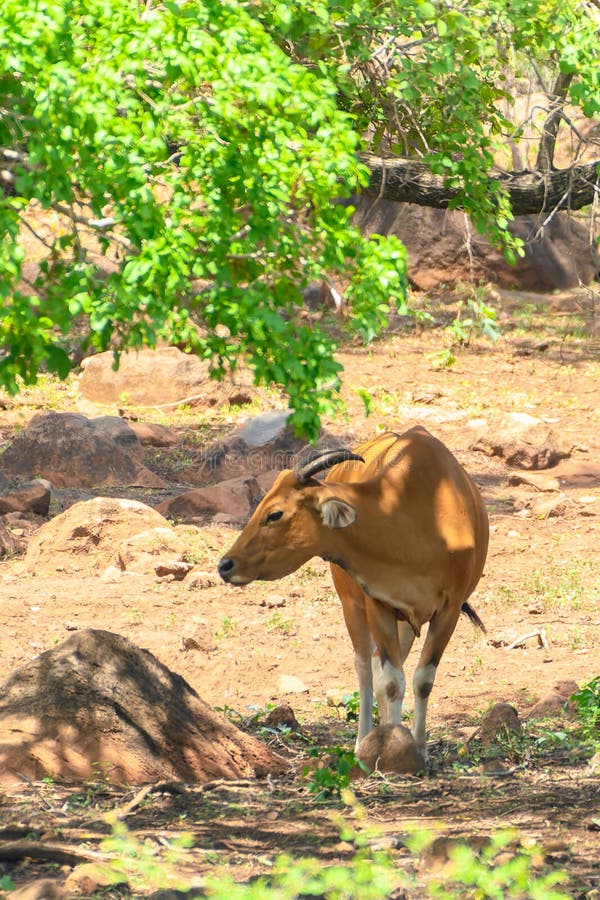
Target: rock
(263,445)
(500,722)
(439,853)
(441,252)
(267,479)
(391,749)
(523,441)
(265,428)
(4,481)
(198,636)
(200,581)
(27,498)
(10,544)
(282,716)
(234,458)
(163,377)
(70,450)
(90,878)
(176,570)
(40,889)
(150,434)
(290,684)
(556,702)
(552,507)
(546,482)
(159,550)
(236,498)
(89,535)
(320,295)
(97,704)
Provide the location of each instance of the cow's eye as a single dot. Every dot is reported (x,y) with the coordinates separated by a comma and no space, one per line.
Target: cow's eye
(273,517)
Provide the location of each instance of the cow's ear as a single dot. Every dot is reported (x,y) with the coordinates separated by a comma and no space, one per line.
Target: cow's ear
(337,513)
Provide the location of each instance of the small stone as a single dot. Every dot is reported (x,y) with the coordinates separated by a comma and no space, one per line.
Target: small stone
(290,684)
(33,497)
(177,569)
(41,889)
(282,716)
(264,428)
(10,543)
(391,749)
(200,581)
(501,721)
(149,434)
(87,878)
(556,702)
(273,601)
(199,637)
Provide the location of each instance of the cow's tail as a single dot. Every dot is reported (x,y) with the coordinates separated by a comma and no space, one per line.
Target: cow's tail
(470,612)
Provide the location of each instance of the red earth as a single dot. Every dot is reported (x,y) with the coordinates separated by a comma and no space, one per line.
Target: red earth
(237,647)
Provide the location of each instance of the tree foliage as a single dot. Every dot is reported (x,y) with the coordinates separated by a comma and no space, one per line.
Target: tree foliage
(433,85)
(177,166)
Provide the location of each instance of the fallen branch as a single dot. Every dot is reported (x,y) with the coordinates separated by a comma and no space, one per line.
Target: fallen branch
(539,633)
(48,851)
(162,787)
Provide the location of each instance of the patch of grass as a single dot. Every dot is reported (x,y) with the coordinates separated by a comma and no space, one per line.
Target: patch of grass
(135,617)
(278,623)
(503,868)
(558,586)
(555,586)
(474,318)
(368,876)
(50,393)
(328,773)
(587,702)
(351,704)
(200,552)
(141,862)
(227,629)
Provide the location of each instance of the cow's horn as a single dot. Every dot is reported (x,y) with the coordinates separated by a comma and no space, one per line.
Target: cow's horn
(325,460)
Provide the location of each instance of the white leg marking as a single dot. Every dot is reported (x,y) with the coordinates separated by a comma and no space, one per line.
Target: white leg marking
(362,664)
(390,686)
(422,684)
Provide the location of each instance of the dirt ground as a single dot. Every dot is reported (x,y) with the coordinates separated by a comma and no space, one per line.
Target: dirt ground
(542,573)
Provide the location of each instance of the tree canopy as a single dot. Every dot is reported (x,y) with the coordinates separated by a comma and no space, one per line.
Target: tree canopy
(173,170)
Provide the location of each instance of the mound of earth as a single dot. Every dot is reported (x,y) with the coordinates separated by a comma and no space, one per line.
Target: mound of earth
(90,535)
(98,705)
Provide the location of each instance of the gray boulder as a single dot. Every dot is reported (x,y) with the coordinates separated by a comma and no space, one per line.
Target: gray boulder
(71,450)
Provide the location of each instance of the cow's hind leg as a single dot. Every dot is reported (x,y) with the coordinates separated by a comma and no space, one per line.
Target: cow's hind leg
(440,631)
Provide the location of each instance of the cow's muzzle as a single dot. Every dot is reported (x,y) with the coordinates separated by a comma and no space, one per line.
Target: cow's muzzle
(226,568)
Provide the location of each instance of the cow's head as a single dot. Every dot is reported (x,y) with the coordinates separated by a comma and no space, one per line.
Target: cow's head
(291,524)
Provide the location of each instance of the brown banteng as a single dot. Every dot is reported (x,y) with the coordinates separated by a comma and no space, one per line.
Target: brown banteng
(406,533)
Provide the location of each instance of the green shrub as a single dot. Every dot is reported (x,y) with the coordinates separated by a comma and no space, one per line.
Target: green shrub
(587,701)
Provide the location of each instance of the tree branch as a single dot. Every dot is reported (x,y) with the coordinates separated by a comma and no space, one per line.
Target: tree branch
(545,156)
(530,192)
